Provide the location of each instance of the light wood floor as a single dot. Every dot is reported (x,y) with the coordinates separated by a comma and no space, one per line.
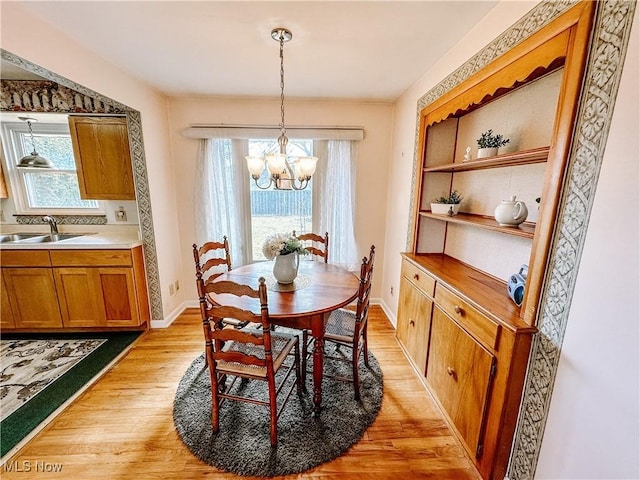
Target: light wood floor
(122,427)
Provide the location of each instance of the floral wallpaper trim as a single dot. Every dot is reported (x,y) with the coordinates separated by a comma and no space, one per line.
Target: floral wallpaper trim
(63,219)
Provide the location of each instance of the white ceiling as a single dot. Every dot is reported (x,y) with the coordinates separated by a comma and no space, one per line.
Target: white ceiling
(370,50)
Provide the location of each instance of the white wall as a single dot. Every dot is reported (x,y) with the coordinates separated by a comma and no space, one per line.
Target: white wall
(593,426)
(372,164)
(52,49)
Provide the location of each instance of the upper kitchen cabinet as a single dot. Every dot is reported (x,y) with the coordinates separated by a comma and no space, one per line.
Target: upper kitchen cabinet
(103,157)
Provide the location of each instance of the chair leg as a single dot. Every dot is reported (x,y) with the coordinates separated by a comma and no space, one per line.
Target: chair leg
(297,367)
(365,349)
(305,340)
(273,413)
(215,401)
(356,378)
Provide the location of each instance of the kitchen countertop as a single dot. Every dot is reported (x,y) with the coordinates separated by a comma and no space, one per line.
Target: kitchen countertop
(93,241)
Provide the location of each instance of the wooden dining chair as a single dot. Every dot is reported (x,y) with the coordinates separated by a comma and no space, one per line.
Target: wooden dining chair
(214,254)
(314,238)
(246,354)
(348,328)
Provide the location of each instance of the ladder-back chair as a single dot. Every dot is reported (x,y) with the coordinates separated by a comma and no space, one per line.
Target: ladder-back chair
(248,354)
(315,239)
(348,328)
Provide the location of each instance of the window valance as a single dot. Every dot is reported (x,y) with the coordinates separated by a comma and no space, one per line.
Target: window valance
(252,132)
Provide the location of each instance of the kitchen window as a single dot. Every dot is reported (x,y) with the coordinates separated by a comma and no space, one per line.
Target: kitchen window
(44,190)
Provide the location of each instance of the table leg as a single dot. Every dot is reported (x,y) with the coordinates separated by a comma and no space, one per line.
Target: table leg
(317,330)
(318,359)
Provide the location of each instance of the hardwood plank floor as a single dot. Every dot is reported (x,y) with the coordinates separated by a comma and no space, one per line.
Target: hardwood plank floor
(122,426)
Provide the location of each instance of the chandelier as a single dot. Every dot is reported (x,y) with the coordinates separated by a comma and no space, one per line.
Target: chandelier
(34,159)
(282,175)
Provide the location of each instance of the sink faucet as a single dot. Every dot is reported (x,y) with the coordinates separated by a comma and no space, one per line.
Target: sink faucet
(52,223)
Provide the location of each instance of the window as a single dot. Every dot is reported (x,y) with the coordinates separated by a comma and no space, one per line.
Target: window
(44,190)
(275,211)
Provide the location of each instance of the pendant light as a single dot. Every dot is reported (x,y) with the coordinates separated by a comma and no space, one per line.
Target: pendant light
(34,160)
(282,175)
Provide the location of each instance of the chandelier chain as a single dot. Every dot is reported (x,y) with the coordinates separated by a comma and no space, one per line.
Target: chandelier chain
(282,128)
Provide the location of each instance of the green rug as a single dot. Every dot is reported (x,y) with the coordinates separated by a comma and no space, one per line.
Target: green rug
(26,418)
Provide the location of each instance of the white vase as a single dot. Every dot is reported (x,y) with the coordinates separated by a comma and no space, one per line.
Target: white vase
(285,267)
(487,152)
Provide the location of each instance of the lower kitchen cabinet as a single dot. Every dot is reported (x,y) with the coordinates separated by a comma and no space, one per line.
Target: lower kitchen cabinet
(32,295)
(75,289)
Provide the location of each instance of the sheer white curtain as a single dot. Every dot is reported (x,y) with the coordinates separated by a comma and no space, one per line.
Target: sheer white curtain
(334,200)
(219,201)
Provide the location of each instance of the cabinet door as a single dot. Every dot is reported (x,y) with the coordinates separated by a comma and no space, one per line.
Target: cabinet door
(414,320)
(103,158)
(33,297)
(80,297)
(459,374)
(6,315)
(119,297)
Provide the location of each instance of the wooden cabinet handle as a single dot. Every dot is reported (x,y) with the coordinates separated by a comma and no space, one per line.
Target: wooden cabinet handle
(458,310)
(412,323)
(451,371)
(416,276)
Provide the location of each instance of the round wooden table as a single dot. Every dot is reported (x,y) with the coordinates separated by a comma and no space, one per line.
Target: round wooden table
(318,290)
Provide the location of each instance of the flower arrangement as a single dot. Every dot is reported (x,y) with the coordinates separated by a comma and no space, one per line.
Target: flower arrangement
(281,244)
(489,140)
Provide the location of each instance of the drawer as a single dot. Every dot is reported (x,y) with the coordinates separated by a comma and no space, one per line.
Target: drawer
(418,277)
(25,258)
(468,317)
(91,258)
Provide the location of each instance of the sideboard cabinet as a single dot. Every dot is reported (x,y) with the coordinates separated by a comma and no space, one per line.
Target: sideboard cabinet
(464,335)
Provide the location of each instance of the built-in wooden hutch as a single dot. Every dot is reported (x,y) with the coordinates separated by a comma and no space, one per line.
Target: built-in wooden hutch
(465,337)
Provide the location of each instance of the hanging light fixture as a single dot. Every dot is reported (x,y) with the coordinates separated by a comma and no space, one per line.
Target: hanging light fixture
(281,174)
(34,160)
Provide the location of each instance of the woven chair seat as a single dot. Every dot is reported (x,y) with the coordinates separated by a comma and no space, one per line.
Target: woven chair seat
(341,325)
(281,346)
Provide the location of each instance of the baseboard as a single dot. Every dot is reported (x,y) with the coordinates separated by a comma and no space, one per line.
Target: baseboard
(168,320)
(387,311)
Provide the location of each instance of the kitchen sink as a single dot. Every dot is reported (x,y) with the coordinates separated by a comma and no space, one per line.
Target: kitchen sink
(16,237)
(56,237)
(37,237)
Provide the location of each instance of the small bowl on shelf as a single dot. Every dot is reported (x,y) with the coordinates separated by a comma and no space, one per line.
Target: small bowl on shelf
(449,209)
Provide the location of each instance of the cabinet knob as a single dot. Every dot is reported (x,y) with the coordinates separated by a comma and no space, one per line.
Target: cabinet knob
(416,276)
(412,323)
(451,372)
(458,310)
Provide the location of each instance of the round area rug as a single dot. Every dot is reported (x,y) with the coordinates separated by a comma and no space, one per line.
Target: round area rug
(242,444)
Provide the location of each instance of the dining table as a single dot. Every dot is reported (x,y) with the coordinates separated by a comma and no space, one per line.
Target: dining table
(319,289)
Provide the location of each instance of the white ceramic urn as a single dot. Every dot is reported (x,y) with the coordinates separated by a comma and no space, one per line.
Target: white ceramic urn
(511,213)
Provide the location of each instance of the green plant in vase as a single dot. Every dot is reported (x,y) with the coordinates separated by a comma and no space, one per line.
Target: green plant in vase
(488,143)
(447,205)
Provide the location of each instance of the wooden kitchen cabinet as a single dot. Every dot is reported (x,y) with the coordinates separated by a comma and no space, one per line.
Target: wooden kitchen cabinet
(101,288)
(7,319)
(459,373)
(414,314)
(79,289)
(30,289)
(103,158)
(479,340)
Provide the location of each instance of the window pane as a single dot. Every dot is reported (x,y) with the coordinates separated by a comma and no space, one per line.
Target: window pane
(56,148)
(51,189)
(276,211)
